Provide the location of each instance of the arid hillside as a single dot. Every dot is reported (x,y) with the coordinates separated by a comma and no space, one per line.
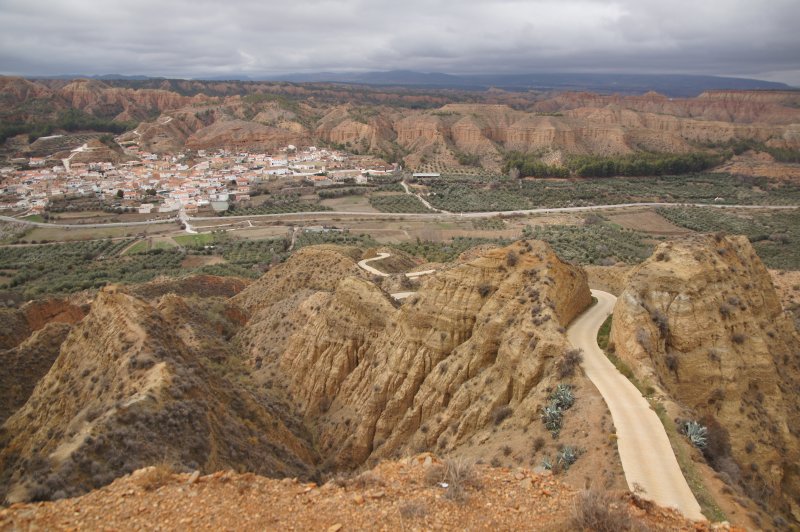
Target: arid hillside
(701,322)
(315,372)
(442,129)
(312,370)
(135,384)
(463,365)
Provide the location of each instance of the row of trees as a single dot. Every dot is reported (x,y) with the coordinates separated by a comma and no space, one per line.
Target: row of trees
(519,164)
(645,165)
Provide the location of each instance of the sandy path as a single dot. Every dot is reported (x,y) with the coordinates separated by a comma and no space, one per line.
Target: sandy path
(364,266)
(644,448)
(422,200)
(397,295)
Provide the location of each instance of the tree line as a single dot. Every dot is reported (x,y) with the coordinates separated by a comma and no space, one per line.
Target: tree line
(519,164)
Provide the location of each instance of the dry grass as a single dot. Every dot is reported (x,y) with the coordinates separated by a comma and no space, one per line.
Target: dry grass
(598,511)
(367,479)
(155,476)
(413,510)
(457,473)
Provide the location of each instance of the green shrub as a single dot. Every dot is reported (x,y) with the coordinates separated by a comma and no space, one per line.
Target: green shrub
(696,433)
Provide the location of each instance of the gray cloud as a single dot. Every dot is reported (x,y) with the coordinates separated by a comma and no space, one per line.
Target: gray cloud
(189,38)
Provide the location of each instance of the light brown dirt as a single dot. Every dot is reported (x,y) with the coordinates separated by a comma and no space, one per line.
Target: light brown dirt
(196,261)
(787,284)
(399,495)
(648,221)
(761,165)
(610,279)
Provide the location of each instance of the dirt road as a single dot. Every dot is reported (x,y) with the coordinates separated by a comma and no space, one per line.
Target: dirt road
(399,296)
(644,447)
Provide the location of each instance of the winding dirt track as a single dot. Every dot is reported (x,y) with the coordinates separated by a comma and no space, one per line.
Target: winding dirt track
(399,296)
(644,448)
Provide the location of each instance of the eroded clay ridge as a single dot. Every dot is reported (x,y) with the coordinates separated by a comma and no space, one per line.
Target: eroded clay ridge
(700,321)
(310,370)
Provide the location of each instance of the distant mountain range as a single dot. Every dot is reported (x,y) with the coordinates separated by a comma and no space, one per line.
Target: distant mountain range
(670,84)
(679,85)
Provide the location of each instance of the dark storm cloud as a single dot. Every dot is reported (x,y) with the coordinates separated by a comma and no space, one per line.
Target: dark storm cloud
(190,38)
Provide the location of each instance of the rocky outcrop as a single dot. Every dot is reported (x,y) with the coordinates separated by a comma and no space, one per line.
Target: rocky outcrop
(225,115)
(19,324)
(241,134)
(313,368)
(479,342)
(97,98)
(701,320)
(767,107)
(17,91)
(400,494)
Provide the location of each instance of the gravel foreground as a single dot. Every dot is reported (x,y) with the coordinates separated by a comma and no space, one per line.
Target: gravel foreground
(411,494)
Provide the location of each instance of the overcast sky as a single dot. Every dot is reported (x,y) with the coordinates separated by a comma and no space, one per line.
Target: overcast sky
(195,38)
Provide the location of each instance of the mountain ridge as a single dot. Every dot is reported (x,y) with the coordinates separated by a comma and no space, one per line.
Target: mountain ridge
(682,85)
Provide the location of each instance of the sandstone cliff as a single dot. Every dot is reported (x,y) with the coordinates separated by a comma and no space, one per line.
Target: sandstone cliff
(463,366)
(19,324)
(701,320)
(776,107)
(97,98)
(312,369)
(242,134)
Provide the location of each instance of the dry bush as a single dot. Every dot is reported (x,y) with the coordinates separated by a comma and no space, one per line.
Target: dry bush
(456,473)
(500,413)
(598,511)
(512,258)
(155,477)
(538,444)
(571,360)
(661,321)
(413,510)
(459,474)
(367,479)
(434,474)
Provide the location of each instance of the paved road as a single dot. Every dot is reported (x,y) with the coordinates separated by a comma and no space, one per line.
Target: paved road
(644,448)
(184,219)
(88,226)
(300,216)
(489,214)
